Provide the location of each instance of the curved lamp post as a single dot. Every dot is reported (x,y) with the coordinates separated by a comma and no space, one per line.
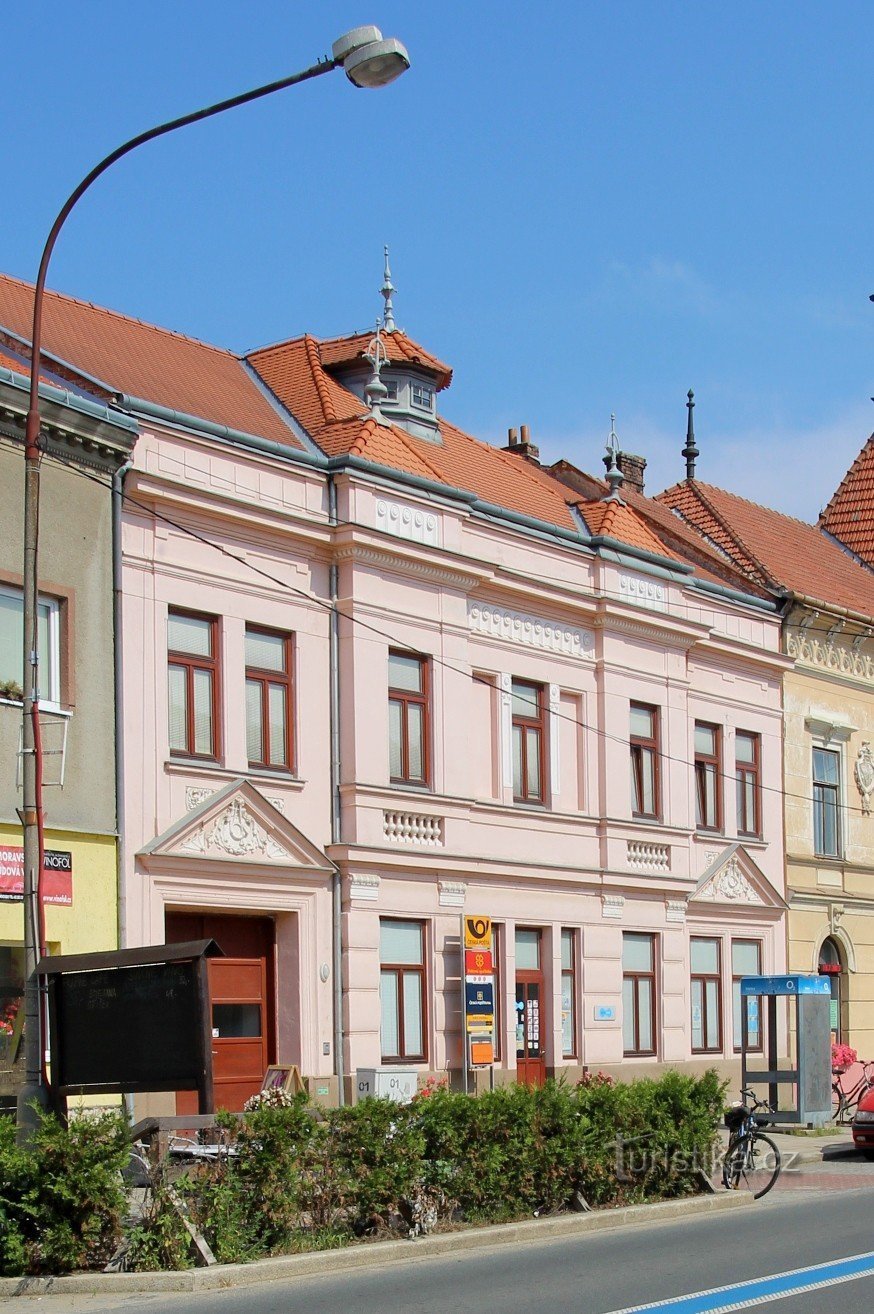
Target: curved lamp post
(368,60)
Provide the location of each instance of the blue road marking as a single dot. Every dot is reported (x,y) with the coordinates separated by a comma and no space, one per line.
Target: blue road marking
(758,1291)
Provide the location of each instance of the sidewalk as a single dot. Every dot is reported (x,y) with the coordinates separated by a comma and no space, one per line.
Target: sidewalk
(837,1143)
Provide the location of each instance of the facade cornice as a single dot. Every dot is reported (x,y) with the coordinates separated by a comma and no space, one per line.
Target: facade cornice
(213,504)
(73,436)
(682,637)
(368,554)
(736,651)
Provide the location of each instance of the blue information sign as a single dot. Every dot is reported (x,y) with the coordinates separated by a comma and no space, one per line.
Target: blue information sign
(479,999)
(785,985)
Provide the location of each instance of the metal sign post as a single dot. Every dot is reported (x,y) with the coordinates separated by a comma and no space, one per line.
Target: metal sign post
(478,986)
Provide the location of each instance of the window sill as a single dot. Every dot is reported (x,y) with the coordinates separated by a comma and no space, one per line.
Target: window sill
(408,787)
(185,765)
(54,709)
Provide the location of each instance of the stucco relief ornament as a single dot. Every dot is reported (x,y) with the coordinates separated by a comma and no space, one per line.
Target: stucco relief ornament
(863,774)
(236,833)
(731,884)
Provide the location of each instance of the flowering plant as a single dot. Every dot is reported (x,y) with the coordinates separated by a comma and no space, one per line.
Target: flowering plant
(8,1016)
(272,1098)
(430,1086)
(843,1057)
(598,1078)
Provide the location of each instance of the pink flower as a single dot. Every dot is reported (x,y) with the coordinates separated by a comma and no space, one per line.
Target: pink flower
(843,1057)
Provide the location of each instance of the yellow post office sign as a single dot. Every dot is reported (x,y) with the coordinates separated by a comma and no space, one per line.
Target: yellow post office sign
(477,932)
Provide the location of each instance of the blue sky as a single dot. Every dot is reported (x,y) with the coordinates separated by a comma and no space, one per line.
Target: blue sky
(590,207)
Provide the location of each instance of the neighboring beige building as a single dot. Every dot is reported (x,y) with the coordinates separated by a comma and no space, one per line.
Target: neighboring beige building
(83,444)
(828,699)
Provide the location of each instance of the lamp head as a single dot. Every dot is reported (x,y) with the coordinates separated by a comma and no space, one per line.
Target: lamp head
(369,59)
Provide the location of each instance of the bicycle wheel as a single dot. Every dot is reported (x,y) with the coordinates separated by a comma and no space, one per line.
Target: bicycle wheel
(751,1164)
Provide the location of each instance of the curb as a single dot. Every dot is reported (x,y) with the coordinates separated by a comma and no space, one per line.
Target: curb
(226,1276)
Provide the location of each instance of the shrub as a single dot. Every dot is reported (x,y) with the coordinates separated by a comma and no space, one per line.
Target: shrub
(62,1199)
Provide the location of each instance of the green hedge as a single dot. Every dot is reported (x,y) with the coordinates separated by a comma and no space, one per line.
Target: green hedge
(62,1199)
(303,1178)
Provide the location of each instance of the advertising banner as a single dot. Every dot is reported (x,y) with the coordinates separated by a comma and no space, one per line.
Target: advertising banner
(56,885)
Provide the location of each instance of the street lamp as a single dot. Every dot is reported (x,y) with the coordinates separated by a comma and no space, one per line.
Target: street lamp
(368,60)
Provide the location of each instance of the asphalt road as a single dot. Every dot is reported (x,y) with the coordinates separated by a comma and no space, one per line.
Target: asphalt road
(596,1274)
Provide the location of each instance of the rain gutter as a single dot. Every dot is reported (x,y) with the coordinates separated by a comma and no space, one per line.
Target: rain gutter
(336,814)
(73,401)
(735,595)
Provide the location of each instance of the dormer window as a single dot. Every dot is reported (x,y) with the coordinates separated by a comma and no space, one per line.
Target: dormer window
(392,385)
(422,396)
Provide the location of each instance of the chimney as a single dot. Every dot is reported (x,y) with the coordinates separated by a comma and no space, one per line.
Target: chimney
(632,468)
(522,446)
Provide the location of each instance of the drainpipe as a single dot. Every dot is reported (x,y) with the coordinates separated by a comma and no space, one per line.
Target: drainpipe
(337,881)
(117,486)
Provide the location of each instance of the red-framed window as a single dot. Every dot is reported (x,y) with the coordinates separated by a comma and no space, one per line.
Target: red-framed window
(644,748)
(747,766)
(403,1009)
(529,741)
(706,963)
(193,684)
(746,960)
(409,718)
(639,1004)
(269,703)
(569,1043)
(708,776)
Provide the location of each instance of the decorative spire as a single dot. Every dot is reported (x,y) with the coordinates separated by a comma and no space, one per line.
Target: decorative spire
(614,474)
(388,319)
(690,451)
(375,391)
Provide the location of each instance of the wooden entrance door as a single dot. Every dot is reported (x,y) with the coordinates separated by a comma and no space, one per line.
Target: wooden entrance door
(530,1022)
(237,990)
(241,999)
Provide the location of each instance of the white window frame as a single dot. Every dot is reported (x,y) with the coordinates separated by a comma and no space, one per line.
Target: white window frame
(834,736)
(416,386)
(50,689)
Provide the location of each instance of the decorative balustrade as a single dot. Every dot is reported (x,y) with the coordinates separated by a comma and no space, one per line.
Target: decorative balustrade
(413,828)
(647,857)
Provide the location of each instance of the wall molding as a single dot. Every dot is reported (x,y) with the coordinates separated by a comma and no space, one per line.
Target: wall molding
(532,631)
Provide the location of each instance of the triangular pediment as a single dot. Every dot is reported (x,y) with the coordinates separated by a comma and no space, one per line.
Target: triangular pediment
(734,877)
(238,824)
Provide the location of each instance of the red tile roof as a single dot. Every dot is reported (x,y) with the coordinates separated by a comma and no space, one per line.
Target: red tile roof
(153,363)
(673,537)
(11,362)
(178,372)
(398,347)
(773,548)
(337,420)
(849,515)
(620,521)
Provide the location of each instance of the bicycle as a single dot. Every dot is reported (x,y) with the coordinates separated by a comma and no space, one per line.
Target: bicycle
(752,1161)
(846,1101)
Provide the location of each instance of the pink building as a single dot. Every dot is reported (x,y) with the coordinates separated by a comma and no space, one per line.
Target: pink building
(378,674)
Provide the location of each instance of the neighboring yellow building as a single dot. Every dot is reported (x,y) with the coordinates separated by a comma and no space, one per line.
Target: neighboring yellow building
(829,781)
(828,737)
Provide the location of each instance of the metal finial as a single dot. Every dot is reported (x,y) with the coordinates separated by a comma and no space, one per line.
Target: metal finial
(614,474)
(388,319)
(690,451)
(375,391)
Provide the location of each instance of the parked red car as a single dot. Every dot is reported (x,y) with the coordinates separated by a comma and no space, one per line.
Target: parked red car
(863,1124)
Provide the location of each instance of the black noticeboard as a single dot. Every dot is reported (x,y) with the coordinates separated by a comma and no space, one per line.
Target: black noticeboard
(137,1020)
